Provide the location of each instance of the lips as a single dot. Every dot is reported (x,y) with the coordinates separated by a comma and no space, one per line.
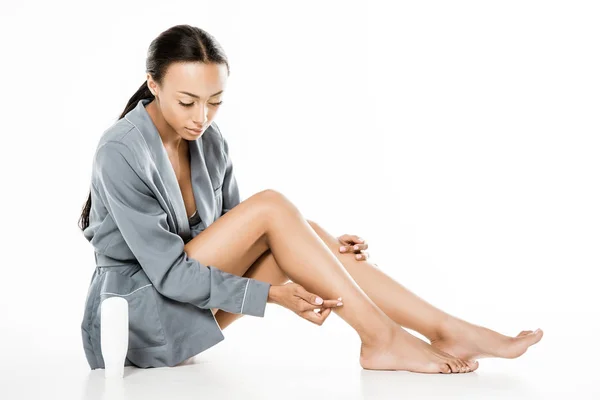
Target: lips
(195,130)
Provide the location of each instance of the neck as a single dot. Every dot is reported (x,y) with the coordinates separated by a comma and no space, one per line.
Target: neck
(168,136)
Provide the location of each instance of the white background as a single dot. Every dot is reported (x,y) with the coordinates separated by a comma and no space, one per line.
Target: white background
(459,138)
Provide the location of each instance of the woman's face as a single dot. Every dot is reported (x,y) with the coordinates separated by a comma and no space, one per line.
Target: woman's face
(189,96)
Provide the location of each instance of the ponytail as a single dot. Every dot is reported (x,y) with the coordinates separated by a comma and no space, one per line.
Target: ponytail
(142,93)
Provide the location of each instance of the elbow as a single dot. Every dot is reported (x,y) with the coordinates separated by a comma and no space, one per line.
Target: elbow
(183,289)
(165,289)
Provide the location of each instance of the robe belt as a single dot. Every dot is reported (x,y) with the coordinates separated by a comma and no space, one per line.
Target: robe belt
(103,260)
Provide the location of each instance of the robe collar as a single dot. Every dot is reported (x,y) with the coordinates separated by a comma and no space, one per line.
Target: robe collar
(201,182)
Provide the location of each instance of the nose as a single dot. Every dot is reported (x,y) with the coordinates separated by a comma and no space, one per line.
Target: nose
(200,118)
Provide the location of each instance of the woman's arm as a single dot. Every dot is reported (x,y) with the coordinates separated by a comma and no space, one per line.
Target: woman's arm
(143,224)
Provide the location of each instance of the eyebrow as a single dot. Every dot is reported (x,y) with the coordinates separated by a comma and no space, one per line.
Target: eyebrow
(197,97)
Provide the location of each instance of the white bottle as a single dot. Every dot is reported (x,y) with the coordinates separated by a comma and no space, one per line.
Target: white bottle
(114,335)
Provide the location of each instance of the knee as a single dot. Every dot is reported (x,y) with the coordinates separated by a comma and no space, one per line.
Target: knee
(272,201)
(271,195)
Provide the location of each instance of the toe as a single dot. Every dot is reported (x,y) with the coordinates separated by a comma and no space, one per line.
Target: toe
(455,365)
(538,335)
(473,365)
(532,337)
(445,368)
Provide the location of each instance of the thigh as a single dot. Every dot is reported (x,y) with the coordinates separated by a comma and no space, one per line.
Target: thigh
(239,237)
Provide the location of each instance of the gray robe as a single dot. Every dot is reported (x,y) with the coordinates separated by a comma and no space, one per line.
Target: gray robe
(138,227)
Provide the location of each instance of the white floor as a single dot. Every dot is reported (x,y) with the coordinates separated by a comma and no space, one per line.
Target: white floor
(322,365)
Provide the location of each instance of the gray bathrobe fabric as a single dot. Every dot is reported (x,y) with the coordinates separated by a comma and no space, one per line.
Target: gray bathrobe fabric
(138,228)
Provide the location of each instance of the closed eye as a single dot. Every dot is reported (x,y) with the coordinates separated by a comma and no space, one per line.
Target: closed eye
(191,104)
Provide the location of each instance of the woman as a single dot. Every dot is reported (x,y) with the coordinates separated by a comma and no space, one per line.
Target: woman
(172,237)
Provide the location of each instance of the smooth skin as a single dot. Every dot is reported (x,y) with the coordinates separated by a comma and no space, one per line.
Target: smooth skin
(446,332)
(280,245)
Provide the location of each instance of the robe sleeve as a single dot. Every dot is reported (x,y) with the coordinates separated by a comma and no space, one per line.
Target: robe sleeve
(143,224)
(231,191)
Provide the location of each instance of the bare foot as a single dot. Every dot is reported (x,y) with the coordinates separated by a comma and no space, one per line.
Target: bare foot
(469,342)
(407,352)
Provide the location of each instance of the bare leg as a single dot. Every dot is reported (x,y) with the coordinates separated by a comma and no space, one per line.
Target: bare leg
(269,221)
(446,332)
(264,269)
(449,333)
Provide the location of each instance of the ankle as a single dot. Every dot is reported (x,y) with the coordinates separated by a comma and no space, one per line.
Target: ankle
(379,338)
(447,326)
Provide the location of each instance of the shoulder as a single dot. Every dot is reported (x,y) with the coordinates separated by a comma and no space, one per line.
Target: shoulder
(120,131)
(121,143)
(115,159)
(115,164)
(116,170)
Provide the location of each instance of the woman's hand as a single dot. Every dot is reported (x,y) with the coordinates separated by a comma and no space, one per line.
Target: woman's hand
(355,244)
(294,297)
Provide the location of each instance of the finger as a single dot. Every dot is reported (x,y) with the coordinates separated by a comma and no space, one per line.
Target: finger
(306,306)
(346,239)
(359,247)
(355,248)
(346,245)
(325,314)
(362,256)
(310,315)
(332,303)
(309,297)
(316,317)
(357,239)
(349,240)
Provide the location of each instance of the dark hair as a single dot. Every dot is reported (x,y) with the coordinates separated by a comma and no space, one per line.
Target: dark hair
(180,43)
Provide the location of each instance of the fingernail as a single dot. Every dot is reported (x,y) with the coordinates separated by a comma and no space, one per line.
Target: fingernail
(356,247)
(340,303)
(358,256)
(361,239)
(342,248)
(319,300)
(339,298)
